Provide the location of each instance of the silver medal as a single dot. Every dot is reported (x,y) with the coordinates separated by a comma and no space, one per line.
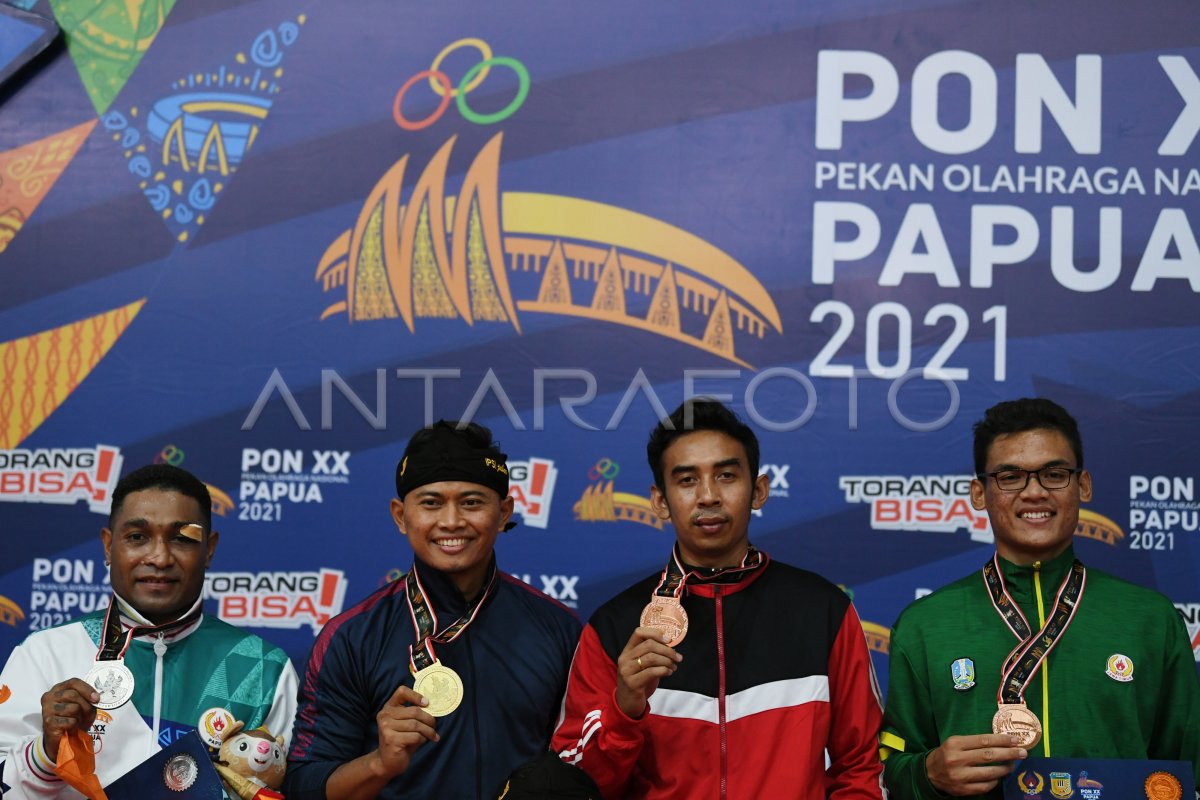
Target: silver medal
(113,681)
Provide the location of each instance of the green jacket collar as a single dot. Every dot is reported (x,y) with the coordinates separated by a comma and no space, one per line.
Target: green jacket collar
(1020,579)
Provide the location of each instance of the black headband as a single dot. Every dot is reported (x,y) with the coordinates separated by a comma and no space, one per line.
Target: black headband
(446,456)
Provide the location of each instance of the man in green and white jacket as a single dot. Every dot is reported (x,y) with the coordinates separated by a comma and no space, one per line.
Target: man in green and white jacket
(158,543)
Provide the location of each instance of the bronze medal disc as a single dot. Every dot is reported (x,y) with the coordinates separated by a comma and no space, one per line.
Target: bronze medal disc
(666,614)
(1015,719)
(441,686)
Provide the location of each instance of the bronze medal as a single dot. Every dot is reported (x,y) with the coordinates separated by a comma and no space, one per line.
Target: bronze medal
(1015,719)
(665,609)
(667,615)
(441,686)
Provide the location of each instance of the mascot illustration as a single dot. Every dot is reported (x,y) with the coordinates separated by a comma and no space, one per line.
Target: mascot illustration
(252,763)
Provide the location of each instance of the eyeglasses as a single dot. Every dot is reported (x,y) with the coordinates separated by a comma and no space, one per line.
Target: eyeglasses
(1014,480)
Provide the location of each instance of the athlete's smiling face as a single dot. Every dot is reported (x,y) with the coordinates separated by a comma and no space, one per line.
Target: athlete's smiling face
(1034,523)
(158,550)
(452,526)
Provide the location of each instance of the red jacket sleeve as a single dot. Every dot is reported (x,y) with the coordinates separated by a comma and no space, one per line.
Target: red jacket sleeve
(594,733)
(855,770)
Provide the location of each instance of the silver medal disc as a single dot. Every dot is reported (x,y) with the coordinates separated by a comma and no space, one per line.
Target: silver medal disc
(180,772)
(114,682)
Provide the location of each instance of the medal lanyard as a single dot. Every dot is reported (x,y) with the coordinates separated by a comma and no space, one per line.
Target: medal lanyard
(117,637)
(674,579)
(421,653)
(1032,649)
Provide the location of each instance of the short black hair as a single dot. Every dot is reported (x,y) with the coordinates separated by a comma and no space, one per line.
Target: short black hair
(699,414)
(168,478)
(1019,416)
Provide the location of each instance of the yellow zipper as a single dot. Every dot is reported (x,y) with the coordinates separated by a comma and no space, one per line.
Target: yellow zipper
(1045,670)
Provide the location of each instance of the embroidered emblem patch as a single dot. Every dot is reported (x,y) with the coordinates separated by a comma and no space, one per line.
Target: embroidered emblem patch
(1060,785)
(1089,788)
(1120,668)
(963,673)
(1031,783)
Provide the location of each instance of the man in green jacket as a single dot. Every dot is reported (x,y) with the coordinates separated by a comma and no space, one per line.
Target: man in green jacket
(1035,654)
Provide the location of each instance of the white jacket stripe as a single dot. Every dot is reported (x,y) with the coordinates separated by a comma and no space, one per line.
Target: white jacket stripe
(676,704)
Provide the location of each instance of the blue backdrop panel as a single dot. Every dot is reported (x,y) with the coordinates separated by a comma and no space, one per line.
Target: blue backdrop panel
(296,233)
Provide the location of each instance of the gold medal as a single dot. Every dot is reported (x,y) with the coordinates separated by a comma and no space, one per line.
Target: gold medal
(1015,719)
(666,614)
(441,686)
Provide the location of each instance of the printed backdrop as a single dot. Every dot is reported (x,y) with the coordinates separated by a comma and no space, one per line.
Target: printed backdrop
(267,240)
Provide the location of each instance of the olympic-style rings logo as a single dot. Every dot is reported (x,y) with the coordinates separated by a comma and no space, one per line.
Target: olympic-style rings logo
(444,88)
(604,469)
(170,455)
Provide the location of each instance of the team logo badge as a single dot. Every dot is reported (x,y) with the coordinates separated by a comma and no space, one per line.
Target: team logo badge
(213,725)
(1060,785)
(1120,668)
(963,673)
(1089,788)
(1031,783)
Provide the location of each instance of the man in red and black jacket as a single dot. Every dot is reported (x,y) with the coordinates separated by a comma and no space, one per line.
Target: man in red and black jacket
(727,675)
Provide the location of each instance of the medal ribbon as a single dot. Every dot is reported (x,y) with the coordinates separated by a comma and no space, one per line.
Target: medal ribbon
(1032,648)
(420,653)
(117,637)
(674,579)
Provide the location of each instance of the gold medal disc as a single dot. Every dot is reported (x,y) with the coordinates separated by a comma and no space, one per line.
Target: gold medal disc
(441,686)
(1016,719)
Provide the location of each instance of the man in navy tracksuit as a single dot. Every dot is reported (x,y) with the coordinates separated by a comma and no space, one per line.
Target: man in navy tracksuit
(442,683)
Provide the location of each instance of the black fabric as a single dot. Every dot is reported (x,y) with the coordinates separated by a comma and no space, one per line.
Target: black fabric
(446,456)
(754,612)
(548,778)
